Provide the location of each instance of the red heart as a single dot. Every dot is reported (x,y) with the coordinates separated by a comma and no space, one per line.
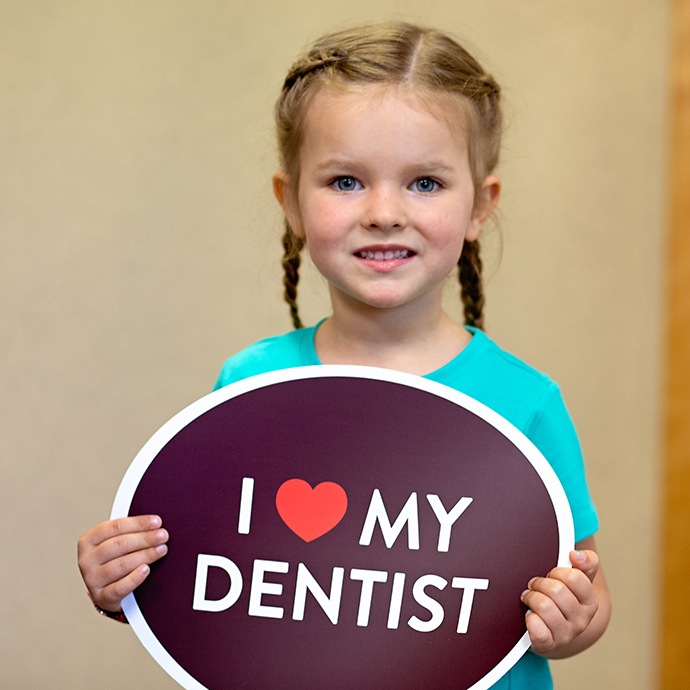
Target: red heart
(310,513)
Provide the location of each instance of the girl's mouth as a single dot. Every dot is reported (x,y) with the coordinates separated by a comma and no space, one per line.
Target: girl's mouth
(382,259)
(384,254)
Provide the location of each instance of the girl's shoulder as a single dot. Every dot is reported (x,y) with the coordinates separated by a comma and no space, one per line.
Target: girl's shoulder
(500,380)
(292,349)
(487,363)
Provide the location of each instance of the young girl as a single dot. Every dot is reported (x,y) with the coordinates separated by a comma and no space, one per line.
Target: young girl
(389,138)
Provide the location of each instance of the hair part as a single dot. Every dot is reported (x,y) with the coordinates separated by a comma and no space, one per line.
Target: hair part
(425,61)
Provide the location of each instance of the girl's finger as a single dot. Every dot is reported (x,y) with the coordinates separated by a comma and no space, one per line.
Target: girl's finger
(110,597)
(539,633)
(115,580)
(551,601)
(568,580)
(112,528)
(124,544)
(119,568)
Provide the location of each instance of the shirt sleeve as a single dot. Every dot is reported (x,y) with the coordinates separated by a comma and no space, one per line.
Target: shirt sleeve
(552,431)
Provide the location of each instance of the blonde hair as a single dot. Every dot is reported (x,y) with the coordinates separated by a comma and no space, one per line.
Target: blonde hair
(392,54)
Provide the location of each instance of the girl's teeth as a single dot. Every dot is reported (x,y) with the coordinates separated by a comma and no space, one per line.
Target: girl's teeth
(385,256)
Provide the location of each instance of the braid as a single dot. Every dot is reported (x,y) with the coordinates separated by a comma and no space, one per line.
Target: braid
(315,61)
(292,246)
(471,291)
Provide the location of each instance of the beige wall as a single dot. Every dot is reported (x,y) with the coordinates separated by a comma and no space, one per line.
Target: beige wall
(138,249)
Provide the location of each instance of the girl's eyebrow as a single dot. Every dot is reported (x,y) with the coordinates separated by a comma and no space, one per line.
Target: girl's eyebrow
(416,168)
(434,166)
(331,163)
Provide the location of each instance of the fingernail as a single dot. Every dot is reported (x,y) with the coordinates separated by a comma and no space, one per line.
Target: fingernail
(145,569)
(162,549)
(155,521)
(579,555)
(161,535)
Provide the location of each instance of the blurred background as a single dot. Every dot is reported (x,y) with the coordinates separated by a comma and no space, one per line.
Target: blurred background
(139,247)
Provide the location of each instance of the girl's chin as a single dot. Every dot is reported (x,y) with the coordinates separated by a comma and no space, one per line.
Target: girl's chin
(386,302)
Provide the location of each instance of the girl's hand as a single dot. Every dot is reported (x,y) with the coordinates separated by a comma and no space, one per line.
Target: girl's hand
(569,608)
(114,557)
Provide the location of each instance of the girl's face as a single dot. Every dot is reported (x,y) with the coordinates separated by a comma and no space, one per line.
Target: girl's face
(385,197)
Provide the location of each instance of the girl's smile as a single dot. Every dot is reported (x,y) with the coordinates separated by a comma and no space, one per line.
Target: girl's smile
(385,257)
(385,197)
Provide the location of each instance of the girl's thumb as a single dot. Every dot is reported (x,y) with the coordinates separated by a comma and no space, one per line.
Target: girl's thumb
(586,561)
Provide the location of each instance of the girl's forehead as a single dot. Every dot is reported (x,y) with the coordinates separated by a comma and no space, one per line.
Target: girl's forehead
(448,108)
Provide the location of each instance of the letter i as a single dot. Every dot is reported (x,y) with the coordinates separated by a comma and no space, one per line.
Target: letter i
(244,522)
(396,601)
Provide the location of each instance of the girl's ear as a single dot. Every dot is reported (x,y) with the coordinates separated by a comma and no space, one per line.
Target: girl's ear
(486,201)
(287,198)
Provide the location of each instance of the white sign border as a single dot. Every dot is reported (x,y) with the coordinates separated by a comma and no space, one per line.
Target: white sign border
(136,471)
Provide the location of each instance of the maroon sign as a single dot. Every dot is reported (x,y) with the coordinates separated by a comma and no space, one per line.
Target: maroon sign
(342,527)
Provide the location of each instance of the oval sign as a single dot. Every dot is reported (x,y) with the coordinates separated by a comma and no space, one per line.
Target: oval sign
(342,527)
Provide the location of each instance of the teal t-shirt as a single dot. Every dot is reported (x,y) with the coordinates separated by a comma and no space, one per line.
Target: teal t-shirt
(527,398)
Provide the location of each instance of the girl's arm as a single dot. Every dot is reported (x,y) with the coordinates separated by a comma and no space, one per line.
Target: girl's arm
(570,607)
(114,557)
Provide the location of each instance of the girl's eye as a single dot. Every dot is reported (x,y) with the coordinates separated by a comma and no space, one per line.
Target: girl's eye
(425,185)
(346,184)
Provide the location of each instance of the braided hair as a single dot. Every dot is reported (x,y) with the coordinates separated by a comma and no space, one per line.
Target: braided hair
(471,289)
(292,249)
(393,53)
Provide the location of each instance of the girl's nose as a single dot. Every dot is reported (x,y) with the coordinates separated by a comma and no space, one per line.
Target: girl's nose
(385,211)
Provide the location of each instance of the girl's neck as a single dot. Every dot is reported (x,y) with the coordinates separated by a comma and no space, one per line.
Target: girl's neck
(380,337)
